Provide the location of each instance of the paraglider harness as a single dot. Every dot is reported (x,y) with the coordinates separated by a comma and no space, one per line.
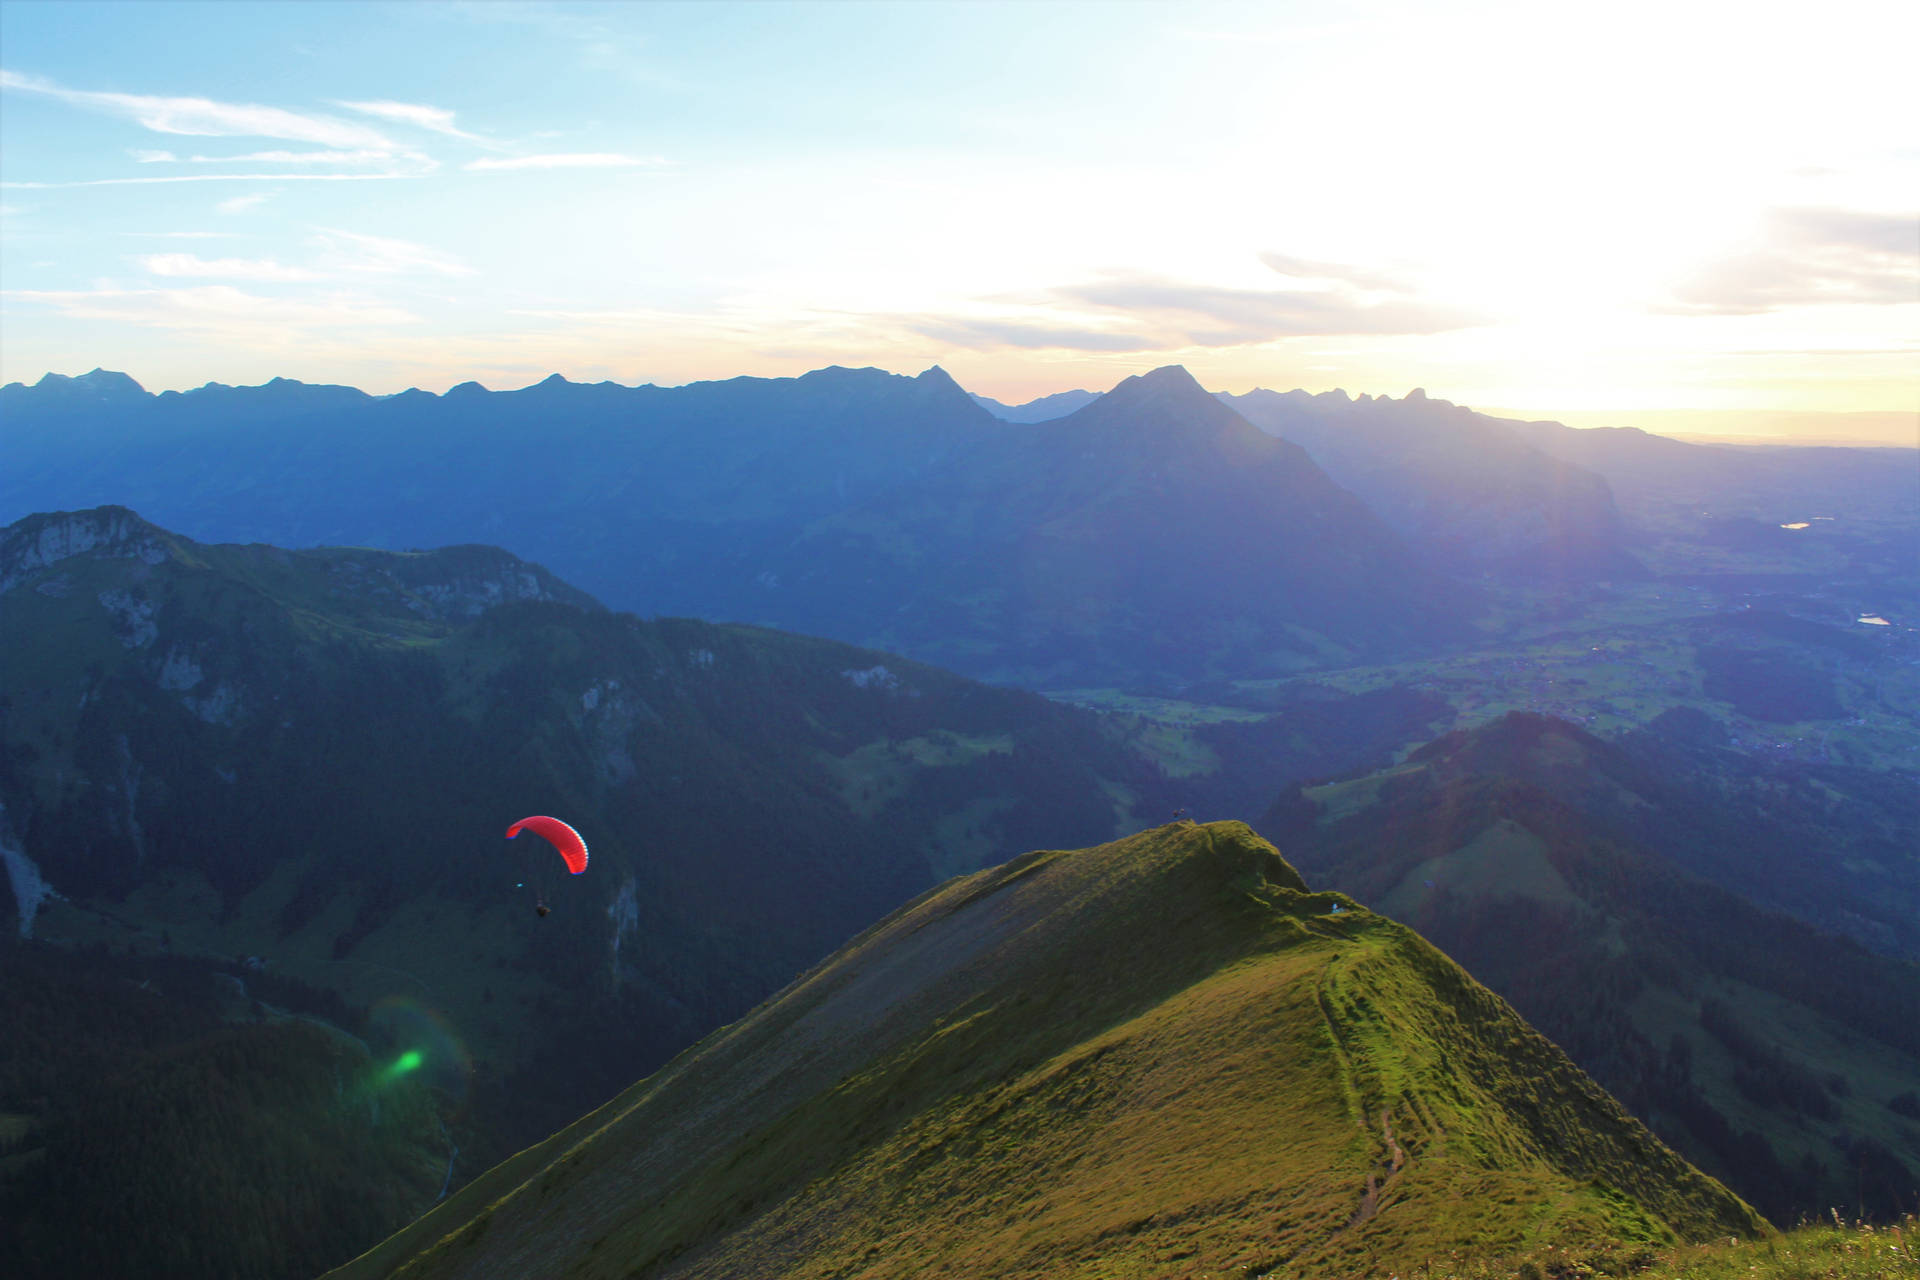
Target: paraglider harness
(565,840)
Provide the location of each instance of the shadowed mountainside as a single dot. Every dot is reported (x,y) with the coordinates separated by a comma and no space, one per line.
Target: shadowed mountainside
(215,753)
(1556,867)
(1159,1054)
(1153,531)
(1465,485)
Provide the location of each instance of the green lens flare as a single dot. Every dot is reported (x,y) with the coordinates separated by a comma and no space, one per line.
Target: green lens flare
(411,1060)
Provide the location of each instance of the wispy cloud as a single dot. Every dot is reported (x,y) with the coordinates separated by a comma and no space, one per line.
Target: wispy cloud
(206,177)
(436,119)
(578,160)
(299,157)
(381,255)
(243,204)
(1213,316)
(264,270)
(1335,272)
(215,308)
(987,335)
(1811,257)
(204,117)
(153,157)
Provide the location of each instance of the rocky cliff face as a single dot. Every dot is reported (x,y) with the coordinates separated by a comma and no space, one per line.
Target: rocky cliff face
(104,533)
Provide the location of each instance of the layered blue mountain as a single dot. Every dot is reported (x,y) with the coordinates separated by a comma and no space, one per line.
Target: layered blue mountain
(1463,484)
(847,503)
(1043,409)
(1796,513)
(1153,531)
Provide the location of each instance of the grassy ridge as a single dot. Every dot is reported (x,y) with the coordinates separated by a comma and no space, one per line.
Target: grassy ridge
(1159,1056)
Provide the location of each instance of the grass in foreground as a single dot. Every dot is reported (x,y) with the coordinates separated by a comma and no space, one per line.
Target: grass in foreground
(1812,1251)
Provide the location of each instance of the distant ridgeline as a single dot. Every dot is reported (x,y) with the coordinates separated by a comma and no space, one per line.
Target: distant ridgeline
(269,785)
(1152,534)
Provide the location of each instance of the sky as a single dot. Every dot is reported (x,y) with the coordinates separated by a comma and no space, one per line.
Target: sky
(1578,211)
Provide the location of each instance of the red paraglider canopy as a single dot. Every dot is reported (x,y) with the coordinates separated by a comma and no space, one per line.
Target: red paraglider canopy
(560,836)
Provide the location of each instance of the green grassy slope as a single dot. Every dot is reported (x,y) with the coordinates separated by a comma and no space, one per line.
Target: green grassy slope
(1158,1056)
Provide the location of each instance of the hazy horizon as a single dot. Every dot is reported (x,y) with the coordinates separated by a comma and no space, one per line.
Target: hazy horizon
(1699,210)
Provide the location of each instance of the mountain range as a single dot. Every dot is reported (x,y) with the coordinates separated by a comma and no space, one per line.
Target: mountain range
(848,503)
(251,804)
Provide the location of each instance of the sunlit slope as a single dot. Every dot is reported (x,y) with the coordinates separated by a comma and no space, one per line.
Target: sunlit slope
(1154,1055)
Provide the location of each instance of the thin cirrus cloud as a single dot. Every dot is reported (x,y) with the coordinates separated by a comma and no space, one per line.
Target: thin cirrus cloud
(1214,316)
(299,157)
(270,157)
(987,335)
(382,255)
(1810,257)
(205,177)
(216,308)
(264,270)
(573,160)
(204,117)
(420,115)
(1335,272)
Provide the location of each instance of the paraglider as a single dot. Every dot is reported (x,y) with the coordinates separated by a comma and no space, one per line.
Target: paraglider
(565,840)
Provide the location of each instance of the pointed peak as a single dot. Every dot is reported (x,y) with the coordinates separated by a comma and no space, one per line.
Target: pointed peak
(1167,377)
(108,381)
(935,376)
(1169,393)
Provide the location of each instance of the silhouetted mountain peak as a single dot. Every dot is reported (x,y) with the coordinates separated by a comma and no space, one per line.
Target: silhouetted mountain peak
(88,390)
(1167,396)
(1168,379)
(936,385)
(934,375)
(465,389)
